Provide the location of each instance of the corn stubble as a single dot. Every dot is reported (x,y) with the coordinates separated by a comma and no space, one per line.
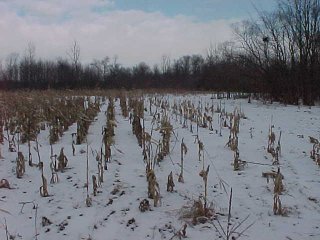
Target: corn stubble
(59,112)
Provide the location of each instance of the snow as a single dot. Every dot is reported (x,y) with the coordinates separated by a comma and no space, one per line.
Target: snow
(252,195)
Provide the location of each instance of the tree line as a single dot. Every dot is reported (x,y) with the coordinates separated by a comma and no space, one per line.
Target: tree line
(187,72)
(277,55)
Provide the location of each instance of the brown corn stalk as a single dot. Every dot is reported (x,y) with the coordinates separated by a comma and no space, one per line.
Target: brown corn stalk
(170,183)
(183,152)
(44,187)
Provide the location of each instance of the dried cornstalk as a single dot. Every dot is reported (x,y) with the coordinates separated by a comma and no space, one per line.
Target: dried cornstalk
(233,142)
(278,185)
(147,147)
(278,148)
(315,152)
(166,129)
(44,187)
(73,149)
(137,129)
(277,207)
(200,150)
(29,154)
(235,118)
(20,168)
(37,150)
(170,183)
(107,154)
(275,156)
(100,168)
(153,188)
(54,174)
(238,164)
(88,199)
(94,185)
(123,105)
(184,151)
(62,161)
(271,139)
(204,175)
(210,120)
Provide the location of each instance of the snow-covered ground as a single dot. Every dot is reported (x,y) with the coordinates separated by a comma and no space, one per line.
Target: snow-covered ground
(112,212)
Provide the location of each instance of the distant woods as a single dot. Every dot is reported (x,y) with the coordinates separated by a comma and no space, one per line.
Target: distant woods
(277,55)
(217,70)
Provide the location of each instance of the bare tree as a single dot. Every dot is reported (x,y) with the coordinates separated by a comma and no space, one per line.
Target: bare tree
(12,67)
(284,45)
(30,52)
(165,64)
(211,54)
(74,53)
(74,56)
(28,63)
(197,62)
(105,66)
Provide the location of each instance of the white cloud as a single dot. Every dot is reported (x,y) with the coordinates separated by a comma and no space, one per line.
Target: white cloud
(133,36)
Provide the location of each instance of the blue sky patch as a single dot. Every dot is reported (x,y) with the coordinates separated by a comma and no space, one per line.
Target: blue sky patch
(202,10)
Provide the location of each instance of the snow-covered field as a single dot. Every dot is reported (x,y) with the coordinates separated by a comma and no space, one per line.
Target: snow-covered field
(116,214)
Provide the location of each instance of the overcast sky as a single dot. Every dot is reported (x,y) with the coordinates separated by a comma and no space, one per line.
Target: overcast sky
(134,30)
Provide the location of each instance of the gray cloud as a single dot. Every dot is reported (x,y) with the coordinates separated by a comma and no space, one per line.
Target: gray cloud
(133,36)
